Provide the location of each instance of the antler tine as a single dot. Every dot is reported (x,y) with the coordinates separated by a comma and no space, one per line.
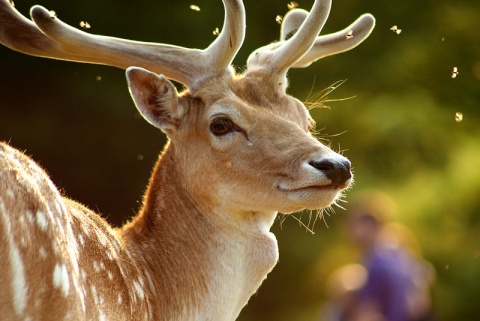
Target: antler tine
(19,33)
(222,51)
(49,37)
(331,44)
(292,22)
(278,58)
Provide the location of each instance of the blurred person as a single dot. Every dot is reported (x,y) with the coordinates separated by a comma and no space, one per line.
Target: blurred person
(398,280)
(421,273)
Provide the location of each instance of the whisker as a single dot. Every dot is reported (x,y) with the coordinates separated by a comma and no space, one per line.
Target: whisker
(319,99)
(311,88)
(302,224)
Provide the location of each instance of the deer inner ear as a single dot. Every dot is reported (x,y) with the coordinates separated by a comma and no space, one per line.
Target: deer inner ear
(156,98)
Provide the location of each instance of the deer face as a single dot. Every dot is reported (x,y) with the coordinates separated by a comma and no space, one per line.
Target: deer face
(253,136)
(248,148)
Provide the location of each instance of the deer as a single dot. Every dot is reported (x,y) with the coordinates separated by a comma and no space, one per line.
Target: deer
(240,150)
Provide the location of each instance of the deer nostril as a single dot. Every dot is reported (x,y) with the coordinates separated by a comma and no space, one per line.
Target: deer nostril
(337,172)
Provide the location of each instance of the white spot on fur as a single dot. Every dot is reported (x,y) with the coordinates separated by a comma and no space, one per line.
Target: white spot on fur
(60,279)
(55,248)
(23,241)
(110,275)
(18,282)
(150,281)
(117,246)
(19,285)
(139,290)
(93,289)
(96,267)
(58,206)
(81,239)
(10,193)
(102,239)
(30,217)
(41,221)
(22,219)
(85,229)
(42,252)
(119,299)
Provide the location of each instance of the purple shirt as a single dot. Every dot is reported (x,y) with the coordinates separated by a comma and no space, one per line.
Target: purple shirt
(387,284)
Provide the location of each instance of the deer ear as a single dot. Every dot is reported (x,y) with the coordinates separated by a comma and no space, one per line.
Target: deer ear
(156,98)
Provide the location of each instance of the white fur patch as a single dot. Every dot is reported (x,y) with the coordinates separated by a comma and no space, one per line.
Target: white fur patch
(81,239)
(18,282)
(60,279)
(139,290)
(10,193)
(41,221)
(42,252)
(30,217)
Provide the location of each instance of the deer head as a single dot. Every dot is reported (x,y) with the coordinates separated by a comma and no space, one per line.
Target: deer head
(240,148)
(243,125)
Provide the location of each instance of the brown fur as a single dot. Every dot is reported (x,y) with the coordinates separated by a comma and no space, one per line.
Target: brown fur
(201,244)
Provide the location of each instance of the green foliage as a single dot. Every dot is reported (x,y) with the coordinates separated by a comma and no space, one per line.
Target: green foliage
(399,131)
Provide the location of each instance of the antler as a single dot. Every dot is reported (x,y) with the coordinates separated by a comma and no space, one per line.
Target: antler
(299,44)
(327,45)
(49,37)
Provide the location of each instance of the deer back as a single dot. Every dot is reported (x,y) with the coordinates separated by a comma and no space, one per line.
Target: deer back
(58,253)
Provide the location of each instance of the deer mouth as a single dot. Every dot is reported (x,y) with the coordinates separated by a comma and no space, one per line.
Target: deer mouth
(307,188)
(310,196)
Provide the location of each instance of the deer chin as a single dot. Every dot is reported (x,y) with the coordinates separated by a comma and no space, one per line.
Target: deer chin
(312,197)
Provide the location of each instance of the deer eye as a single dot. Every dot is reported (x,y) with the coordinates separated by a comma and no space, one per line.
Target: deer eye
(221,126)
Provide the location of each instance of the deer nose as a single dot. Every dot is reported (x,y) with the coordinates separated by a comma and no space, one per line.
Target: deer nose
(337,171)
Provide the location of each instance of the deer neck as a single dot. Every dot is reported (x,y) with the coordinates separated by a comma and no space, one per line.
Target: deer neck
(204,262)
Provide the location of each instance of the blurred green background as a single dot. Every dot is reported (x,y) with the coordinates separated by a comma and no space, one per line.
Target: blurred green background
(399,130)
